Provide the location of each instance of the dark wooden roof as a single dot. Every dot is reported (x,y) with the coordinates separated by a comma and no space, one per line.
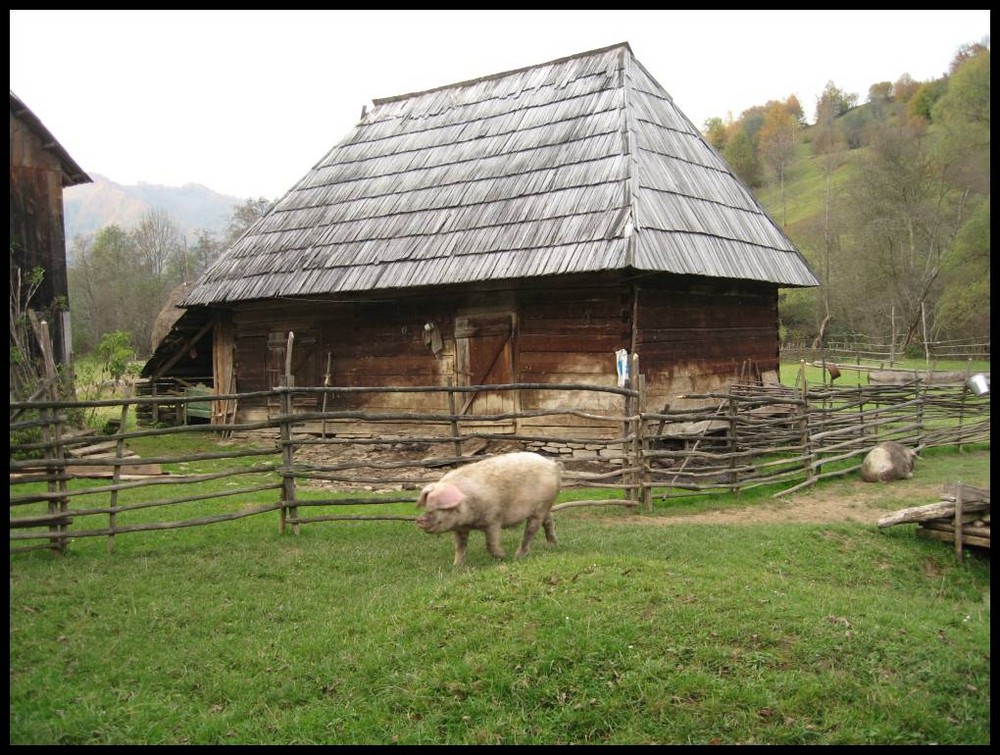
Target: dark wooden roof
(582,164)
(73,174)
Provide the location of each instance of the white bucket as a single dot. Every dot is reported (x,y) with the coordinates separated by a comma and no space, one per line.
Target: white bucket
(979,384)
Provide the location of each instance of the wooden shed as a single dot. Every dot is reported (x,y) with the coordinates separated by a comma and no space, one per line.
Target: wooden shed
(516,228)
(40,168)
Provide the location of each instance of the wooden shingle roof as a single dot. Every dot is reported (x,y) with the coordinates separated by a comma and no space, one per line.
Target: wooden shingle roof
(582,164)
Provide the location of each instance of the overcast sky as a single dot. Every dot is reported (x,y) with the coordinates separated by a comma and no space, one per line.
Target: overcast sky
(246,102)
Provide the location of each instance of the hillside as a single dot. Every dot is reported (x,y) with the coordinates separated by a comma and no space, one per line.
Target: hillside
(192,207)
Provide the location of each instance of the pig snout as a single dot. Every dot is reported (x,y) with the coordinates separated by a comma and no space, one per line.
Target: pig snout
(431,522)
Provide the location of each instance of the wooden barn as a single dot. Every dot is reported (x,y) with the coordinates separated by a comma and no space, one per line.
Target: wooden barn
(517,228)
(40,168)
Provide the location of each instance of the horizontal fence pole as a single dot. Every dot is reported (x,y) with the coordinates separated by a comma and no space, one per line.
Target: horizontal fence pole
(759,442)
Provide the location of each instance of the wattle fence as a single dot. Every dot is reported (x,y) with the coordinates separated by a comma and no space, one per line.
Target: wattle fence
(66,485)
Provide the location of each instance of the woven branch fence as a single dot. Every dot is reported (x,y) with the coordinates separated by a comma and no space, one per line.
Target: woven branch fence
(745,437)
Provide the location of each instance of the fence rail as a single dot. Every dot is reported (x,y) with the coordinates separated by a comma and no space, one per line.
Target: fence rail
(885,353)
(745,437)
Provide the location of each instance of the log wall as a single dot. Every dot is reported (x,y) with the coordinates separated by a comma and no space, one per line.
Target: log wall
(689,338)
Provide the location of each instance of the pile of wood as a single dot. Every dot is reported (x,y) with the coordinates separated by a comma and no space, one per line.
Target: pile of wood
(100,458)
(962,517)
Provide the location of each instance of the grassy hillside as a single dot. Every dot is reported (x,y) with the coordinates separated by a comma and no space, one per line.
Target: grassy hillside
(805,193)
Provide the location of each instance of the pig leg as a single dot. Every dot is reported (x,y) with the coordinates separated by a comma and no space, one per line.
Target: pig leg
(493,541)
(461,543)
(530,528)
(550,528)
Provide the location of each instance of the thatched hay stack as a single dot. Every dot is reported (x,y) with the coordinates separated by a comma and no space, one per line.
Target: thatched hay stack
(170,314)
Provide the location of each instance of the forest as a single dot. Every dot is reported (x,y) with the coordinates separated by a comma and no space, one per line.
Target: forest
(888,199)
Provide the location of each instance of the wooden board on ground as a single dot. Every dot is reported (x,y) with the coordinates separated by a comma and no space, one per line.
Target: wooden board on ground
(130,472)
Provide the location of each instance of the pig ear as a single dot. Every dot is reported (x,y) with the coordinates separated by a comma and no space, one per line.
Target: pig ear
(422,500)
(444,497)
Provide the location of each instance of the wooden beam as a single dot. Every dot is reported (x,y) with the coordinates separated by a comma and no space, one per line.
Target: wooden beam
(182,350)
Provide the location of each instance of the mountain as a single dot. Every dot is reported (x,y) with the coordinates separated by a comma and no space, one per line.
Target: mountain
(192,207)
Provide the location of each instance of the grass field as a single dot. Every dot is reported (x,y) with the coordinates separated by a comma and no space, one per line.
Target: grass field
(634,629)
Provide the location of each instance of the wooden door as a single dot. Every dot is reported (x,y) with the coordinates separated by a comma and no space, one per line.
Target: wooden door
(303,366)
(484,345)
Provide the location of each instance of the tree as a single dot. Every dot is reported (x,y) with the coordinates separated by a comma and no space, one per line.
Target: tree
(961,148)
(25,372)
(835,100)
(158,240)
(244,216)
(715,133)
(740,155)
(922,102)
(205,250)
(112,289)
(777,140)
(963,310)
(829,145)
(794,109)
(905,218)
(904,89)
(966,101)
(115,351)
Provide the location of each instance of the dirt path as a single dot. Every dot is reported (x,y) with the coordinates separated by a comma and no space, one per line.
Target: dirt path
(856,502)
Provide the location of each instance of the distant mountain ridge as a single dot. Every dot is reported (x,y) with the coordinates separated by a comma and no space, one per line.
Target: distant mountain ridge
(90,207)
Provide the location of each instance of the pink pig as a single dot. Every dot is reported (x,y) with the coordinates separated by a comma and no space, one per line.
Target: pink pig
(492,495)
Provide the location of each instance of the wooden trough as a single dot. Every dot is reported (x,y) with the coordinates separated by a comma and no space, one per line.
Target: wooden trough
(962,516)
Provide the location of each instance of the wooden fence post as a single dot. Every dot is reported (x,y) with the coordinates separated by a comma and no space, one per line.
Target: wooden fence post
(920,411)
(806,436)
(116,473)
(288,507)
(641,444)
(733,415)
(52,435)
(958,520)
(452,410)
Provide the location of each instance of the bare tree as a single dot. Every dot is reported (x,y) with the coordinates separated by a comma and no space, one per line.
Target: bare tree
(157,240)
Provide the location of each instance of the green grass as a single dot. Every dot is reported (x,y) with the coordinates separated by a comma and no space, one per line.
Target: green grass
(815,375)
(628,631)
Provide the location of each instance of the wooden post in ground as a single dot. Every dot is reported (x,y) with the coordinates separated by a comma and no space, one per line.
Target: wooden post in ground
(452,409)
(52,434)
(116,474)
(288,507)
(958,521)
(642,444)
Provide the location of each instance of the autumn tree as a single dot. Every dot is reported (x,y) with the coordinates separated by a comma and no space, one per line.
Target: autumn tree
(835,100)
(794,108)
(924,98)
(715,133)
(904,89)
(739,153)
(777,141)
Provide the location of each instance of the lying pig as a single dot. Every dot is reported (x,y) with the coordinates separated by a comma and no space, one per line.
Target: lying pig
(491,495)
(888,461)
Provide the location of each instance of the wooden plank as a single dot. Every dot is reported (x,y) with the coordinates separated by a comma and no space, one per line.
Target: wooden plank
(970,493)
(943,525)
(93,449)
(939,510)
(949,537)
